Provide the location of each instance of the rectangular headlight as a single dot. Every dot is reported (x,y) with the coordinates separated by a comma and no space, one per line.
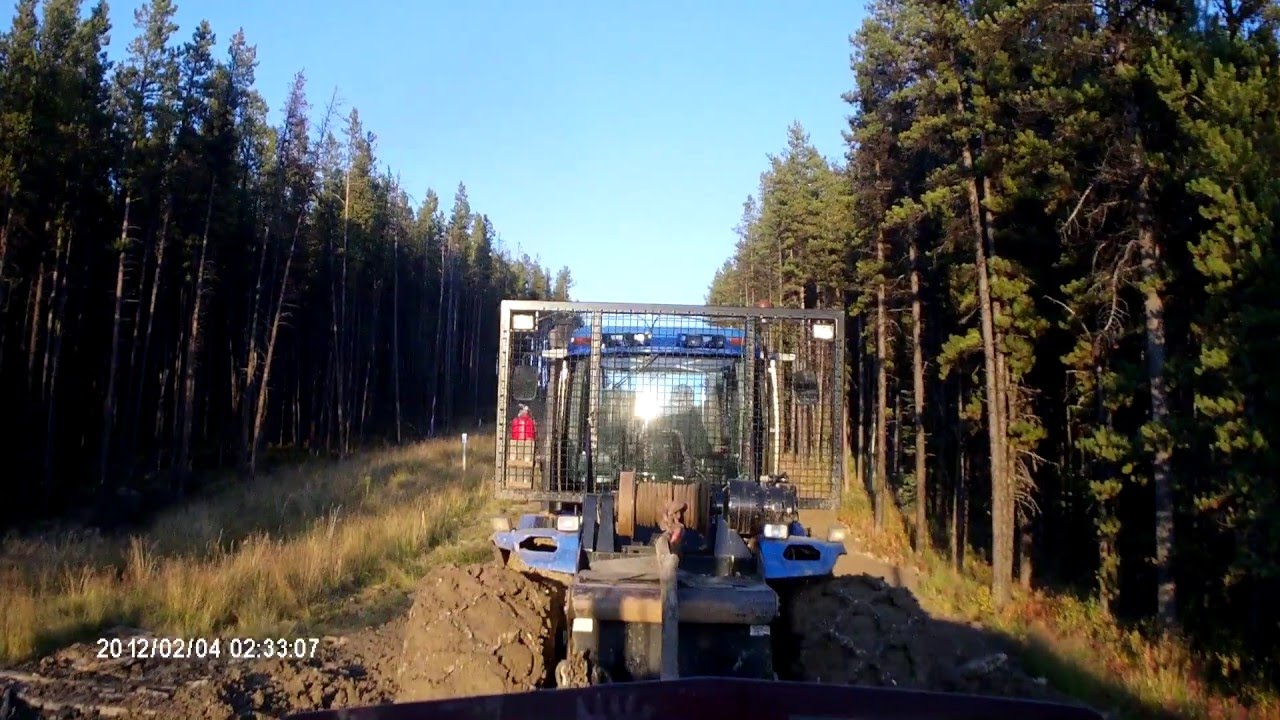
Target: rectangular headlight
(824,331)
(568,523)
(776,531)
(522,321)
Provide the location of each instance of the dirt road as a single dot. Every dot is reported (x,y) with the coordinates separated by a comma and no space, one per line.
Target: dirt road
(483,629)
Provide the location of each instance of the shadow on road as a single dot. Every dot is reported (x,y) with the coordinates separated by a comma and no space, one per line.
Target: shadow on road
(866,627)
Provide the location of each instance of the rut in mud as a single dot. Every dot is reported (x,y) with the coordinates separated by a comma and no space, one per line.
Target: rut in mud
(483,629)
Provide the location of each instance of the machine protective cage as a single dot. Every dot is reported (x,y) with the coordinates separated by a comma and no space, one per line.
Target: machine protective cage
(587,391)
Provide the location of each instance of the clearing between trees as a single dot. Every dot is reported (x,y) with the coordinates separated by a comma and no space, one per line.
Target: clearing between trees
(383,560)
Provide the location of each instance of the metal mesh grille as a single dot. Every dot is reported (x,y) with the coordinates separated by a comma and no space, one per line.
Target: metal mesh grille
(672,393)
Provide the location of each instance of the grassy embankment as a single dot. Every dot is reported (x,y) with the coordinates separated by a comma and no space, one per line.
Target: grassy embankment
(1068,640)
(286,555)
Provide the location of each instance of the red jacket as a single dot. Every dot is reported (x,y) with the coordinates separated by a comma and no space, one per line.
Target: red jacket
(523,428)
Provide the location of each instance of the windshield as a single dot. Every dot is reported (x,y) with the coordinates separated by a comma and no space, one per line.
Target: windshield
(669,416)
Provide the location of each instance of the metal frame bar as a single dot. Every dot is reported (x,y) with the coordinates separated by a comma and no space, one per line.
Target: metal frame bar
(504,374)
(725,311)
(748,385)
(839,356)
(593,397)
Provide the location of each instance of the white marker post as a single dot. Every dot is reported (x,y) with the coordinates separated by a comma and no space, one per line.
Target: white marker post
(464,453)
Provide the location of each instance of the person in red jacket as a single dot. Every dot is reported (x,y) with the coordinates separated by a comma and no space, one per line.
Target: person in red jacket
(520,452)
(523,427)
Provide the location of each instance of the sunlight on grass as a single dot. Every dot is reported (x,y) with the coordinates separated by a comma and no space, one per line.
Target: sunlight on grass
(1070,641)
(248,558)
(893,542)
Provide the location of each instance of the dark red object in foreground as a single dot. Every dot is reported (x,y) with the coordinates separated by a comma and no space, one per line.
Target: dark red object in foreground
(732,698)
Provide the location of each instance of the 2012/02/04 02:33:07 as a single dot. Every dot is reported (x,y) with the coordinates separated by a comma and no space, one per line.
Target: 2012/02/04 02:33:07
(235,648)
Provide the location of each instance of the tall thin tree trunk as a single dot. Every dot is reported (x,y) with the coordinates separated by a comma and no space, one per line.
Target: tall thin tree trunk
(917,362)
(455,335)
(57,288)
(1152,266)
(1001,491)
(108,398)
(296,440)
(4,256)
(34,382)
(143,362)
(352,364)
(260,407)
(965,507)
(953,529)
(169,402)
(1002,545)
(860,466)
(475,356)
(395,327)
(881,480)
(333,372)
(437,360)
(344,422)
(57,314)
(1161,461)
(251,353)
(192,349)
(365,406)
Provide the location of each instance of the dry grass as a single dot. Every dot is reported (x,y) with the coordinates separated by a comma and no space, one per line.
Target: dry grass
(262,557)
(1070,641)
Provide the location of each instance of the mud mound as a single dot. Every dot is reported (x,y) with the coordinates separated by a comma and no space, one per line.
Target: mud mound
(480,630)
(858,630)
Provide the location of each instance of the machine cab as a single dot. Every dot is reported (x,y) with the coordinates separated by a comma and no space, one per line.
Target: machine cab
(667,393)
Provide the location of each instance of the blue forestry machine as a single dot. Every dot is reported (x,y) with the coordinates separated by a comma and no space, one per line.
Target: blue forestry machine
(679,462)
(674,447)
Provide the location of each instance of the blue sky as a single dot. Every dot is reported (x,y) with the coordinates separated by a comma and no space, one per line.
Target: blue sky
(618,138)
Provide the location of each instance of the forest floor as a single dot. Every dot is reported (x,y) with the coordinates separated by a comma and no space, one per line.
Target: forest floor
(376,570)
